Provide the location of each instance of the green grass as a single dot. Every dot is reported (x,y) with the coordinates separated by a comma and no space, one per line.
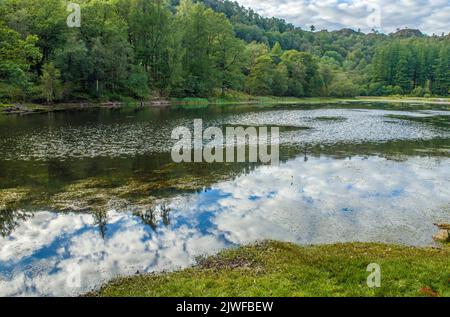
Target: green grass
(30,106)
(240,98)
(236,98)
(281,269)
(247,99)
(408,99)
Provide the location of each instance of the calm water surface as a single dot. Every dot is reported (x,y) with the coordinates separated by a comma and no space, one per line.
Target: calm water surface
(97,191)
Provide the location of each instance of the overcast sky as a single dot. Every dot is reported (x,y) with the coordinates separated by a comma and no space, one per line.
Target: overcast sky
(430,16)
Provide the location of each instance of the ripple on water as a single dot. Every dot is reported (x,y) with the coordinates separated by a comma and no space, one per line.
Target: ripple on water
(119,139)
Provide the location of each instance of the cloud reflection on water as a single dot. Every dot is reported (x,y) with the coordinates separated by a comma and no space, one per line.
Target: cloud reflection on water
(323,200)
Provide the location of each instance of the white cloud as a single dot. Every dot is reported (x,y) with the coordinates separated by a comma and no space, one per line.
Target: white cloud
(431,16)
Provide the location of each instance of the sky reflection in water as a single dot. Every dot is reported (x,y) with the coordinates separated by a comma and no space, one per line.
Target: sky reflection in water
(323,200)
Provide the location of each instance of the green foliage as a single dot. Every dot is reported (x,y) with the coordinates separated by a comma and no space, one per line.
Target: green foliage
(17,56)
(442,71)
(280,80)
(51,86)
(296,70)
(134,49)
(260,79)
(418,92)
(151,26)
(335,56)
(417,66)
(342,86)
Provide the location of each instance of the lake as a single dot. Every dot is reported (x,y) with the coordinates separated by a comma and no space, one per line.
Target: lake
(86,196)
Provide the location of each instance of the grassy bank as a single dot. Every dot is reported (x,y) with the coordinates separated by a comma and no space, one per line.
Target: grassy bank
(282,269)
(227,100)
(246,99)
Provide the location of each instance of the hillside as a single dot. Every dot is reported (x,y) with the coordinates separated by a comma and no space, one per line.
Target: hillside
(137,49)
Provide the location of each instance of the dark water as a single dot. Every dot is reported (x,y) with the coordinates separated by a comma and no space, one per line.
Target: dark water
(96,192)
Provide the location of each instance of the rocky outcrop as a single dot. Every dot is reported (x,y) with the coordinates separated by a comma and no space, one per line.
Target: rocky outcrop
(407,33)
(444,233)
(16,109)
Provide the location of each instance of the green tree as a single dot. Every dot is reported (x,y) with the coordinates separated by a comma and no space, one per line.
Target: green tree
(442,79)
(17,56)
(404,70)
(296,73)
(327,70)
(260,79)
(110,53)
(44,18)
(151,34)
(342,86)
(280,80)
(75,63)
(51,86)
(227,52)
(198,73)
(276,53)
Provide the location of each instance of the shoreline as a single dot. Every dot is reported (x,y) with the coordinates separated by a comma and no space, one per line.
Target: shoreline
(278,269)
(29,108)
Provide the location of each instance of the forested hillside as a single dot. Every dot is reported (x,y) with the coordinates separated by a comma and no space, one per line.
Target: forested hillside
(140,49)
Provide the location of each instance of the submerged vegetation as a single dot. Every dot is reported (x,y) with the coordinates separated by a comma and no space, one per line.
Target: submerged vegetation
(437,121)
(283,269)
(98,194)
(142,50)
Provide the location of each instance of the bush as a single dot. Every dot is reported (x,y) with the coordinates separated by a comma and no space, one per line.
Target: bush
(11,93)
(51,86)
(397,90)
(342,86)
(376,89)
(418,92)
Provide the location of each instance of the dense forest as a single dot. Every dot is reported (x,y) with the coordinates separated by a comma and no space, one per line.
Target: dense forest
(140,49)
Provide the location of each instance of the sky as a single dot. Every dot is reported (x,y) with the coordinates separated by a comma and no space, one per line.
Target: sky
(430,16)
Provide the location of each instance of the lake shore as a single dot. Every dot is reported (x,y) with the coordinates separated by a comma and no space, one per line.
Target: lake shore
(27,108)
(272,269)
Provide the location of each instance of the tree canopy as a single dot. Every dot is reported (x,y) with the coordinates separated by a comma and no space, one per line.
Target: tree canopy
(160,48)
